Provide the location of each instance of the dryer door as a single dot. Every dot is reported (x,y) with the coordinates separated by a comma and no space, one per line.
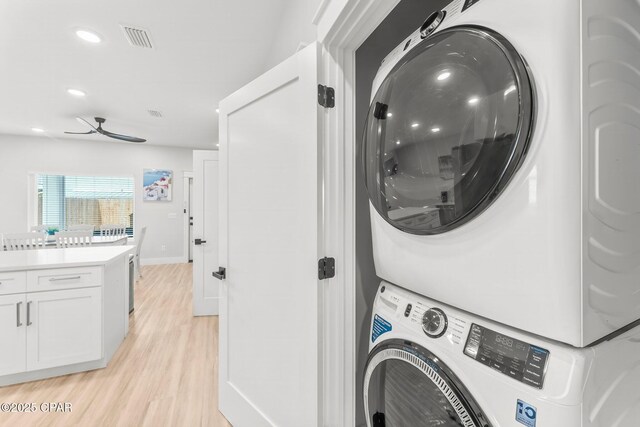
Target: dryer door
(406,385)
(447,130)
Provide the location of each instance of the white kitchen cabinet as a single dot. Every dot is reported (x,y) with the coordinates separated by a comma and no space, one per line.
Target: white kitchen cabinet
(65,278)
(13,282)
(63,327)
(61,310)
(13,334)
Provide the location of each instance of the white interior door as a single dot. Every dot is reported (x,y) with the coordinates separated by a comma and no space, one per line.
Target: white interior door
(187,187)
(205,233)
(269,217)
(190,199)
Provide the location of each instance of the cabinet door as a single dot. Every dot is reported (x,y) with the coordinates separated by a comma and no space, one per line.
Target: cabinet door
(13,332)
(63,327)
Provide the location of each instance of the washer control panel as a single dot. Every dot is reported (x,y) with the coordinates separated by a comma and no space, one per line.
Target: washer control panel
(519,360)
(434,322)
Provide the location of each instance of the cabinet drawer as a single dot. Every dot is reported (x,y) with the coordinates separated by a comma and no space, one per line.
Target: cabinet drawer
(63,278)
(13,282)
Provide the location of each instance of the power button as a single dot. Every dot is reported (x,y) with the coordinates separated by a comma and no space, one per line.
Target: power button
(407,311)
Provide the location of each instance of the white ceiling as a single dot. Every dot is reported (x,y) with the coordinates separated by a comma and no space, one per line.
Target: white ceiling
(203,51)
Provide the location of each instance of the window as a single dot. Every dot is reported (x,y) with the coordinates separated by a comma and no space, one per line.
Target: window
(95,200)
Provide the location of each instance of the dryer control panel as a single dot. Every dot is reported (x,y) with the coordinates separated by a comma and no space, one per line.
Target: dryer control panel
(519,360)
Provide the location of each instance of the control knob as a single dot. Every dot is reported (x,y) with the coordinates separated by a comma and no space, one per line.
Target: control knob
(434,323)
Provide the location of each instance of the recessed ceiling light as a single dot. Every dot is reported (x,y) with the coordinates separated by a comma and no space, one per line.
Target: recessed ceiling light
(389,115)
(218,110)
(415,125)
(37,130)
(88,36)
(217,145)
(435,130)
(474,100)
(398,142)
(76,92)
(444,76)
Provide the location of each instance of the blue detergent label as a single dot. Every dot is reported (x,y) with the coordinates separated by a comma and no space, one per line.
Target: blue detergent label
(526,414)
(380,327)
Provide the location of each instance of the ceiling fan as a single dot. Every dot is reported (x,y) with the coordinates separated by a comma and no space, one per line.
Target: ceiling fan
(101,131)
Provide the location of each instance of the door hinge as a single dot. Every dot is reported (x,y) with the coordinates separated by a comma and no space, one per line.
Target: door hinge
(326,268)
(326,96)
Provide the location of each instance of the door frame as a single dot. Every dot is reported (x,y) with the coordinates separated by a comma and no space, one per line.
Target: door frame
(186,209)
(342,26)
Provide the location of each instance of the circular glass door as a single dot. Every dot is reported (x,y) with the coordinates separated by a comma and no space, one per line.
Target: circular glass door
(406,385)
(447,130)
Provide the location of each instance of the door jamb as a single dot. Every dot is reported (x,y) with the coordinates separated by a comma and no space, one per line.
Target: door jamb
(343,25)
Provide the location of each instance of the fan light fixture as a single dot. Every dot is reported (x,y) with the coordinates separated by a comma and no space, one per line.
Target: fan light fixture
(99,130)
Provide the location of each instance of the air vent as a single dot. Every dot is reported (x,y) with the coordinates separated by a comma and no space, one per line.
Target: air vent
(137,36)
(154,113)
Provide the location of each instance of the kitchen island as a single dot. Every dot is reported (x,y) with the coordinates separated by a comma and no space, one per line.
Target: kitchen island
(61,310)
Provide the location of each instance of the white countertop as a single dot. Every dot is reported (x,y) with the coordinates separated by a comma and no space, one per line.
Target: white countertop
(58,258)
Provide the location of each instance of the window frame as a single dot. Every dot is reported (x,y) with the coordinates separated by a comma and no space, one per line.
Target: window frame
(32,202)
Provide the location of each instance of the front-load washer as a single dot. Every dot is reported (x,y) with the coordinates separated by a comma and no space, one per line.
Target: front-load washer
(433,365)
(502,160)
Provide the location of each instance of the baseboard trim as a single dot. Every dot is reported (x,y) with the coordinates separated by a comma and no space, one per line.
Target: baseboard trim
(160,261)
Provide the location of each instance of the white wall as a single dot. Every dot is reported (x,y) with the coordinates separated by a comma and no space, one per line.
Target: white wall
(295,27)
(20,156)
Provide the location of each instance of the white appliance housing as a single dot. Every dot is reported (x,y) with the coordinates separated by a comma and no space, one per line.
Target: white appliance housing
(555,250)
(412,378)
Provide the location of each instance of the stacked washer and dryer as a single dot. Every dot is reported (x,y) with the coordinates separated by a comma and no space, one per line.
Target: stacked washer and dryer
(502,160)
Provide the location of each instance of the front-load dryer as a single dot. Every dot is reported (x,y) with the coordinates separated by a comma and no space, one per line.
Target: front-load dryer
(502,160)
(433,365)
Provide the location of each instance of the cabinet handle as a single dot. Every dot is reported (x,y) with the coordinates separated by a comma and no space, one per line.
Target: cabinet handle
(18,322)
(29,313)
(58,279)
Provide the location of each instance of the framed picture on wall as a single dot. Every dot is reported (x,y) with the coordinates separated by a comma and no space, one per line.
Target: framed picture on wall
(158,185)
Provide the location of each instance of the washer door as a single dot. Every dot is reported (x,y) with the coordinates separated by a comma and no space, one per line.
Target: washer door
(406,385)
(447,130)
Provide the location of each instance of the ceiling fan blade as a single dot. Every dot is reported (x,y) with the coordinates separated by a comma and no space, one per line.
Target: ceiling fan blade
(82,133)
(121,137)
(84,122)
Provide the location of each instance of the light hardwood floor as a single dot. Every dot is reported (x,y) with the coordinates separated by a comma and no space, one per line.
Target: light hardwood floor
(164,374)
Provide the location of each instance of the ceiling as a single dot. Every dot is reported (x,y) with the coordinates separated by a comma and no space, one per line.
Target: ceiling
(203,50)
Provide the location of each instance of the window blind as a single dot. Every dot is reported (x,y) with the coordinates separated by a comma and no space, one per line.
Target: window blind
(94,200)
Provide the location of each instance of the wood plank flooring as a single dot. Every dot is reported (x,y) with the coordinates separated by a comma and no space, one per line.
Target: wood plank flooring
(164,374)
